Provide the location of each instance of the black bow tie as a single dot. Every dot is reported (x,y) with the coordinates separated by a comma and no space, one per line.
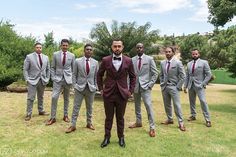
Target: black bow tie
(117,58)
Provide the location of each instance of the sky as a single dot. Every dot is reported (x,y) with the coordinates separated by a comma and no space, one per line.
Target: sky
(76,18)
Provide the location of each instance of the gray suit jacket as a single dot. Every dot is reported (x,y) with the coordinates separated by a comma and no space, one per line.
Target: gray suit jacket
(80,77)
(176,75)
(58,70)
(201,75)
(148,73)
(32,70)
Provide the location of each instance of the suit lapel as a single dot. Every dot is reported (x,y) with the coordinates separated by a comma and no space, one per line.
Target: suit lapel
(143,61)
(37,60)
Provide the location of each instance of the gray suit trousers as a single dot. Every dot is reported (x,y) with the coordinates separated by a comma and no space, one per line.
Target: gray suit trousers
(200,92)
(171,92)
(146,96)
(57,88)
(78,98)
(32,89)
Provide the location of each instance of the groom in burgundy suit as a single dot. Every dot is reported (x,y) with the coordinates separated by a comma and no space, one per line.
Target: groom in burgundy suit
(115,90)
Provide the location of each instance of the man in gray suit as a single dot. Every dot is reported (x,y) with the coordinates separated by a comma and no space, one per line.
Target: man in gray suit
(198,76)
(37,74)
(172,77)
(146,76)
(85,85)
(61,75)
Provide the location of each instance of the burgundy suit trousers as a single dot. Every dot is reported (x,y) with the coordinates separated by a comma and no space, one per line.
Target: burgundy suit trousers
(115,104)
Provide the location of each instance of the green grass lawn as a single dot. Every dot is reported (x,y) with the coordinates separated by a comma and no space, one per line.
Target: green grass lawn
(22,139)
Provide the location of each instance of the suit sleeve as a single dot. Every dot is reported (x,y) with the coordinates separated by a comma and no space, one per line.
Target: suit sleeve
(53,67)
(207,73)
(132,77)
(161,75)
(95,75)
(73,60)
(187,78)
(48,70)
(154,73)
(181,75)
(26,68)
(75,73)
(100,75)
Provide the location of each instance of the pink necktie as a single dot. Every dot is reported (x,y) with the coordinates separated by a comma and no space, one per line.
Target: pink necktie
(40,60)
(64,58)
(139,63)
(193,67)
(87,66)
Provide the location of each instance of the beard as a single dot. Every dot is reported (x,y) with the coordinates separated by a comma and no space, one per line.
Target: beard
(117,53)
(195,58)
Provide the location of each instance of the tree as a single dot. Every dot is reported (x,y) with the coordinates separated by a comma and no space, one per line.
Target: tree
(129,33)
(191,42)
(221,11)
(13,49)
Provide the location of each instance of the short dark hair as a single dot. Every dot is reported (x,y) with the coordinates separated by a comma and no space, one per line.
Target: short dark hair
(37,43)
(65,41)
(117,39)
(86,45)
(195,49)
(172,48)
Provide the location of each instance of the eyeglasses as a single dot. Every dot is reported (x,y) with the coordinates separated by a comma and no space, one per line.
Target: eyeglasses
(139,47)
(167,51)
(89,49)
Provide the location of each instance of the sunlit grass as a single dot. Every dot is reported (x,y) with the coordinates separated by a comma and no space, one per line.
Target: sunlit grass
(19,138)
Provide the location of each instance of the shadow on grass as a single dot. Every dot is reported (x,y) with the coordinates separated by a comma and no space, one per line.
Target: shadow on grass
(229,91)
(228,108)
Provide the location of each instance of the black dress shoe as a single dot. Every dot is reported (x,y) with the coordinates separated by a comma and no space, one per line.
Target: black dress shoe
(105,142)
(122,142)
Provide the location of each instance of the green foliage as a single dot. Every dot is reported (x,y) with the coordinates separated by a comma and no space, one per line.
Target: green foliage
(190,42)
(221,11)
(13,49)
(223,77)
(129,33)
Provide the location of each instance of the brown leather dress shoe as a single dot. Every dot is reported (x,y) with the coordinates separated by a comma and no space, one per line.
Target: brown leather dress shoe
(70,129)
(28,117)
(208,124)
(167,122)
(51,121)
(152,133)
(66,119)
(135,125)
(43,113)
(191,118)
(90,126)
(182,127)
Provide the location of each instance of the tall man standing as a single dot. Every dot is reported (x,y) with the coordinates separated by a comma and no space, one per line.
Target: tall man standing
(146,76)
(61,75)
(172,77)
(37,74)
(85,85)
(198,76)
(114,89)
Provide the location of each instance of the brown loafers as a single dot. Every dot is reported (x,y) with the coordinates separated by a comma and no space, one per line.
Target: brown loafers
(90,126)
(135,125)
(70,129)
(66,119)
(51,121)
(152,133)
(167,122)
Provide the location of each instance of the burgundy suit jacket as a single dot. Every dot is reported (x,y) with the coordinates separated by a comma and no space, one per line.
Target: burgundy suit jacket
(113,77)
